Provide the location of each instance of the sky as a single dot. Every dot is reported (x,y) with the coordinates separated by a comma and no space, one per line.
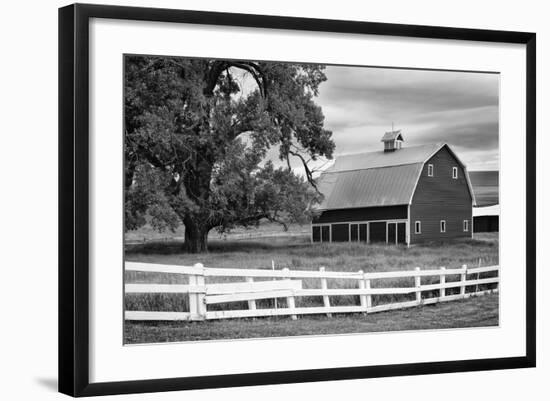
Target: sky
(458,108)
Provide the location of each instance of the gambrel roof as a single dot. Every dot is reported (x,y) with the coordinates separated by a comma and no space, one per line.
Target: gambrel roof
(362,161)
(377,178)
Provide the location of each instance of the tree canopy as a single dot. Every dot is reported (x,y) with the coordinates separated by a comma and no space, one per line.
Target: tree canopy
(196,140)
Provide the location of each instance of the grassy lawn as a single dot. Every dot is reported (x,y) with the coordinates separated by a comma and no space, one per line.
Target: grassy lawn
(297,253)
(473,312)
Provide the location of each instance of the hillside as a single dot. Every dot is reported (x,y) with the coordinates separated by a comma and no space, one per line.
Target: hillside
(485,186)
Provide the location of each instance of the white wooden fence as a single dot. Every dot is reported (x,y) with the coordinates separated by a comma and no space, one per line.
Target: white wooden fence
(286,284)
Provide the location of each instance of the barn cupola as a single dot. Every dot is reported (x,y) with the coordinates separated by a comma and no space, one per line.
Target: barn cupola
(392,141)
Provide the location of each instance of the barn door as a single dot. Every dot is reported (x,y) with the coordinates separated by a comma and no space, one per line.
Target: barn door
(401,233)
(377,231)
(363,232)
(325,233)
(354,232)
(392,234)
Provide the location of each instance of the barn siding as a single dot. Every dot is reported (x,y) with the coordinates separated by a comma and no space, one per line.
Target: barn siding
(441,198)
(362,214)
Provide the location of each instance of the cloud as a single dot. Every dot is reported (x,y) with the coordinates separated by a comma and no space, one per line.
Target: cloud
(458,108)
(398,91)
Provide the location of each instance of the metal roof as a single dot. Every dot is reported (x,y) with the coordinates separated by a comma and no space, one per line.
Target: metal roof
(385,186)
(493,210)
(376,178)
(362,161)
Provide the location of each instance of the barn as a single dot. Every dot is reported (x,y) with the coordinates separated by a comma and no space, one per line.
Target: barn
(398,195)
(486,212)
(486,218)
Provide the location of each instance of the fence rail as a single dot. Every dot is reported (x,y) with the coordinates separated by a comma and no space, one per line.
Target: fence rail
(284,284)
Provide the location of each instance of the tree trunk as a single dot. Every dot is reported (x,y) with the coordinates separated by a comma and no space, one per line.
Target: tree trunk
(196,238)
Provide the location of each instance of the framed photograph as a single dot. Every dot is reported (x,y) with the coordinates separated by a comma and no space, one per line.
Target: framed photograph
(250,199)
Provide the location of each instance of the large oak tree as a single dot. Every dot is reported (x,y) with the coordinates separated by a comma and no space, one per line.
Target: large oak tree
(196,135)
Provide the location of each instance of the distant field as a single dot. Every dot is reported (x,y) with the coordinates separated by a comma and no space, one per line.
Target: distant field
(485,186)
(298,253)
(484,177)
(486,195)
(265,229)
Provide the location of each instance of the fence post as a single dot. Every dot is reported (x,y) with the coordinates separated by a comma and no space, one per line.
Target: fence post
(442,280)
(369,297)
(362,297)
(251,303)
(324,286)
(289,300)
(197,306)
(273,268)
(193,310)
(417,283)
(463,281)
(497,285)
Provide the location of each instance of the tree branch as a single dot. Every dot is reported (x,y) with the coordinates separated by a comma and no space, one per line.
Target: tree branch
(309,173)
(252,68)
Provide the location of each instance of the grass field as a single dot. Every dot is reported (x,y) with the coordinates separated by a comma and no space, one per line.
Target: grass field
(473,312)
(265,229)
(296,252)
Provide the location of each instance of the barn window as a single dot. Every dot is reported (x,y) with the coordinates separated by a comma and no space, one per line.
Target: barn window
(430,170)
(465,225)
(455,172)
(443,226)
(417,227)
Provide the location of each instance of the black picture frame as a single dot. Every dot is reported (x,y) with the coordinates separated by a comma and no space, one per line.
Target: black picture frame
(74,198)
